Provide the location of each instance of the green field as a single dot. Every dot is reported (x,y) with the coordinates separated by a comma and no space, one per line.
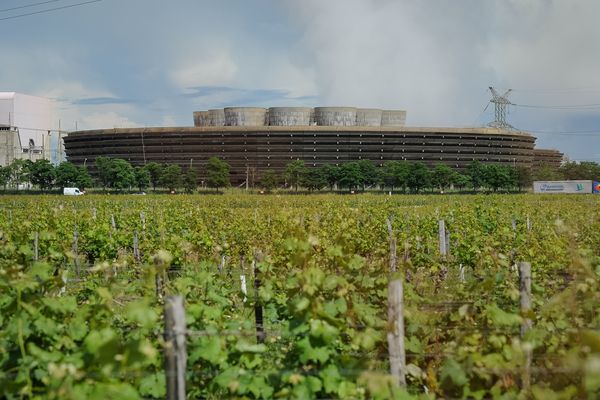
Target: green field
(83,281)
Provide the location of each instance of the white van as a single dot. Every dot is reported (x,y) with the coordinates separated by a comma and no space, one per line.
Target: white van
(72,192)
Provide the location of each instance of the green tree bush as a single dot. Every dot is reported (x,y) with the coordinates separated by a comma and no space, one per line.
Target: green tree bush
(294,173)
(419,177)
(155,170)
(142,178)
(442,176)
(217,173)
(42,174)
(5,173)
(350,176)
(314,179)
(67,174)
(269,180)
(171,177)
(190,180)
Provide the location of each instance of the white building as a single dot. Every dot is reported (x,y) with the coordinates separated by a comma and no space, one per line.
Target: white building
(31,118)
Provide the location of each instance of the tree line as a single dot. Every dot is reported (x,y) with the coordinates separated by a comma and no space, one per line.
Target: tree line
(118,174)
(570,170)
(110,173)
(44,175)
(413,177)
(405,176)
(416,177)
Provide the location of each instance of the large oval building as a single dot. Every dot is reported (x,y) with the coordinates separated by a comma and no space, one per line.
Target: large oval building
(253,140)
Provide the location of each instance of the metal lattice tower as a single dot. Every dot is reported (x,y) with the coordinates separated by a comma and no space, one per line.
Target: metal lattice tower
(501,104)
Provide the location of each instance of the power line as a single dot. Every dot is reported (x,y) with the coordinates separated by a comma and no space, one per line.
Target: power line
(564,132)
(50,10)
(560,107)
(29,5)
(558,90)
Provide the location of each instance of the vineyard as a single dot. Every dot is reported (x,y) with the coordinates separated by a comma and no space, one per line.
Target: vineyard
(287,296)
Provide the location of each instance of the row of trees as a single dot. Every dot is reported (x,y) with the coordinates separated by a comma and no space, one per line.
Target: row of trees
(570,170)
(41,173)
(110,173)
(403,175)
(415,177)
(118,174)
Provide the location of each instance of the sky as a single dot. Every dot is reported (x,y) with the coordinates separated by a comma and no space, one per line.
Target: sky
(126,63)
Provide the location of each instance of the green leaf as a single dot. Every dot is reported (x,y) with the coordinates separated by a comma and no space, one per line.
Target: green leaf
(309,353)
(142,313)
(103,391)
(322,329)
(244,347)
(500,317)
(153,385)
(77,328)
(451,370)
(301,304)
(331,377)
(209,349)
(61,305)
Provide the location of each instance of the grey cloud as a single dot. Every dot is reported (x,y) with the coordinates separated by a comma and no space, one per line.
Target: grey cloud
(436,59)
(95,101)
(238,96)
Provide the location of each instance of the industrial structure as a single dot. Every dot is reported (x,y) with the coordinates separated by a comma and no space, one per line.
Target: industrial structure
(547,158)
(25,127)
(253,140)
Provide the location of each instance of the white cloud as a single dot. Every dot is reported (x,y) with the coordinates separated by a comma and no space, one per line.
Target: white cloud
(284,75)
(169,120)
(68,91)
(436,59)
(72,115)
(212,68)
(106,119)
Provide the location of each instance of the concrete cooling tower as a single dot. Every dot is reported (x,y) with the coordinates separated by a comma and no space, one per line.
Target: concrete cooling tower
(245,116)
(393,118)
(216,117)
(335,116)
(290,116)
(368,117)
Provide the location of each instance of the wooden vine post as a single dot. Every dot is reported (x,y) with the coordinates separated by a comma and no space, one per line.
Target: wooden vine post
(243,285)
(175,352)
(75,251)
(136,246)
(442,236)
(393,245)
(525,288)
(36,239)
(143,220)
(395,333)
(159,284)
(258,310)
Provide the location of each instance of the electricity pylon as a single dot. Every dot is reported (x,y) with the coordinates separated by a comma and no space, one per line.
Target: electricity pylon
(501,103)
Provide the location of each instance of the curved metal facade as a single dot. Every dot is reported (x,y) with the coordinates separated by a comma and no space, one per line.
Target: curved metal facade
(547,158)
(273,147)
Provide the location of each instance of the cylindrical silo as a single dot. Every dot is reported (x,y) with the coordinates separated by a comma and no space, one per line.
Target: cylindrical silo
(368,117)
(245,116)
(216,117)
(335,116)
(393,118)
(201,118)
(289,116)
